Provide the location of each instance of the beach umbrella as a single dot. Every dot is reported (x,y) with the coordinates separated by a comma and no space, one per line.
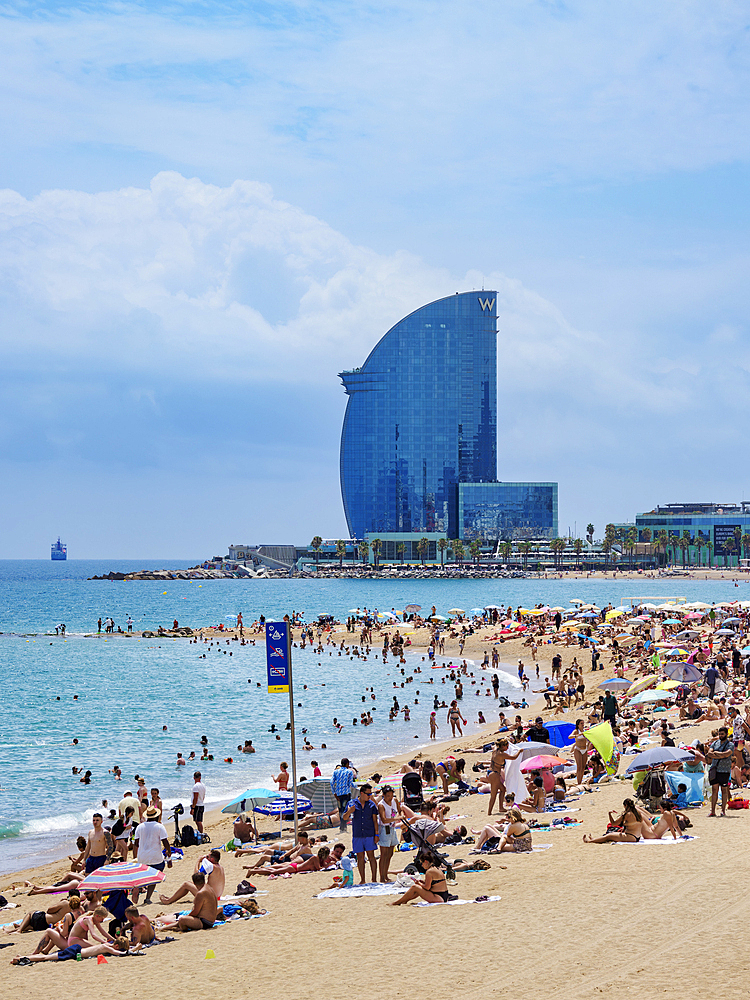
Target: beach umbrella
(588,614)
(558,609)
(728,620)
(672,621)
(413,608)
(456,611)
(655,756)
(439,618)
(745,651)
(387,614)
(646,697)
(615,684)
(685,673)
(642,683)
(318,791)
(540,761)
(724,631)
(477,611)
(252,796)
(693,614)
(283,805)
(492,607)
(677,651)
(125,875)
(667,685)
(353,611)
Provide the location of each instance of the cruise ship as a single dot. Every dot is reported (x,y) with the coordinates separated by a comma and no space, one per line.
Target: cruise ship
(59,550)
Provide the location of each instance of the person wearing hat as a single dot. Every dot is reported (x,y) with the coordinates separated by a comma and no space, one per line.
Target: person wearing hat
(538,733)
(148,840)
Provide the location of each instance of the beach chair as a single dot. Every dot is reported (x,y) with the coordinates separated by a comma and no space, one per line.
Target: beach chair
(411,788)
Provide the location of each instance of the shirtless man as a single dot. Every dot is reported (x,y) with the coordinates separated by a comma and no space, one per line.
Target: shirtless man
(313,864)
(142,931)
(95,854)
(209,866)
(40,920)
(205,907)
(300,851)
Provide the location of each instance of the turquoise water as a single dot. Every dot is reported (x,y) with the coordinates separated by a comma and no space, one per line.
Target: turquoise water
(129,689)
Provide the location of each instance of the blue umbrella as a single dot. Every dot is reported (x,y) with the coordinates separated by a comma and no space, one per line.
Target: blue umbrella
(253,795)
(657,755)
(686,673)
(283,806)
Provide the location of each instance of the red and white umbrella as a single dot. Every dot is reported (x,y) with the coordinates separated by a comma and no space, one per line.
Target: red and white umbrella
(125,875)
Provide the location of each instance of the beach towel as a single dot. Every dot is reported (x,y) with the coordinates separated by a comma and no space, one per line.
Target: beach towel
(368,889)
(645,843)
(460,902)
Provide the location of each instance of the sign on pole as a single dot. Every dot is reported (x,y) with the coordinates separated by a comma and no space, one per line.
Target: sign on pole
(278,657)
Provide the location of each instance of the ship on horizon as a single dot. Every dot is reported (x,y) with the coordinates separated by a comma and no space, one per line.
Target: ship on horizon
(59,550)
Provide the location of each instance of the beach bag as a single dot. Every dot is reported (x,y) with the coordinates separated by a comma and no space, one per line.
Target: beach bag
(187,836)
(245,888)
(738,804)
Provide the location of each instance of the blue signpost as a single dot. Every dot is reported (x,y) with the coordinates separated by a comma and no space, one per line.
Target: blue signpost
(279,669)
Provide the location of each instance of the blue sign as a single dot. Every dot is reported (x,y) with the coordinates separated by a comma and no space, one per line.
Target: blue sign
(278,657)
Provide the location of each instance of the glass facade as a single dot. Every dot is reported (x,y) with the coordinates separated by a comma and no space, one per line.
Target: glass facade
(508,511)
(422,418)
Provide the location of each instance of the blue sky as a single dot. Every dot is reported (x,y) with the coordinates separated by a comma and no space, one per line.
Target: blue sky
(208,209)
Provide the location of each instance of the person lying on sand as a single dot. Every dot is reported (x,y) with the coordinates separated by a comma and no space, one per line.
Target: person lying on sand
(635,824)
(313,864)
(40,920)
(71,952)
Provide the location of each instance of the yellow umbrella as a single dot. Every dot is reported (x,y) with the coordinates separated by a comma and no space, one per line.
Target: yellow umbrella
(569,625)
(667,685)
(614,614)
(641,684)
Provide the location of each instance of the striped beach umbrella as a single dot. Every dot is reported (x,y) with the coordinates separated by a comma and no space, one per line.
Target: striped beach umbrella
(125,875)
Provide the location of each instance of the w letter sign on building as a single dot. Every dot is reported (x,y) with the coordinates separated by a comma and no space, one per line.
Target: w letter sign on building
(277,657)
(486,304)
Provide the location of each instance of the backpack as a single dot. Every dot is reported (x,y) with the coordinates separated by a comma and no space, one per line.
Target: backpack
(187,836)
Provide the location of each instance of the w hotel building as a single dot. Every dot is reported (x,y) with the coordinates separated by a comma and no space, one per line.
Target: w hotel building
(419,441)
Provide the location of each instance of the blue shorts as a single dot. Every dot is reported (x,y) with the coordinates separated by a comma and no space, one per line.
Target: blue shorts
(159,867)
(69,954)
(360,844)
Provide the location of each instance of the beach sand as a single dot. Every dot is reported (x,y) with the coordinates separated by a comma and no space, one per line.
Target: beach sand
(576,920)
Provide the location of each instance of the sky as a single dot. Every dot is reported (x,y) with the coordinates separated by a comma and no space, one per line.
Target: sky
(209,209)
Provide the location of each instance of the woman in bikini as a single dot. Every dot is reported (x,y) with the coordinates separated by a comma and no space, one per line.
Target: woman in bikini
(496,773)
(282,778)
(517,836)
(628,827)
(580,750)
(313,864)
(451,772)
(432,888)
(455,718)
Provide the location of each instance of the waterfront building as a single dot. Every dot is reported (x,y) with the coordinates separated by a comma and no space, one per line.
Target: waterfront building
(713,533)
(421,425)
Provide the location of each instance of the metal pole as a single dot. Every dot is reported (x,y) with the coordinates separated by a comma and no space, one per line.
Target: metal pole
(291,720)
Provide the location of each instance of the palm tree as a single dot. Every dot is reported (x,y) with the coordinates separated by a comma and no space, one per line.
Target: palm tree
(738,542)
(400,549)
(376,545)
(699,543)
(578,548)
(688,535)
(684,544)
(423,547)
(442,546)
(646,536)
(561,546)
(745,542)
(729,546)
(474,551)
(630,540)
(590,533)
(458,551)
(606,549)
(710,547)
(506,550)
(364,551)
(340,552)
(315,545)
(525,548)
(662,541)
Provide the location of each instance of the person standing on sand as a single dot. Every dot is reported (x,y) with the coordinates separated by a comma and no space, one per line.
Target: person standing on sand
(199,797)
(365,817)
(720,770)
(95,854)
(342,783)
(496,773)
(148,840)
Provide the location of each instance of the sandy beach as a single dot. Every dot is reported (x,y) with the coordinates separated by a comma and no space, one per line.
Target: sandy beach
(574,920)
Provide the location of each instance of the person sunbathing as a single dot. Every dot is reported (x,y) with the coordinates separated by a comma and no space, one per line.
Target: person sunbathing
(433,888)
(210,866)
(517,836)
(70,882)
(627,827)
(536,800)
(297,852)
(204,911)
(72,952)
(313,864)
(40,920)
(319,821)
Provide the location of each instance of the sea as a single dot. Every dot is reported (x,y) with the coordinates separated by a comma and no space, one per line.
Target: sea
(115,694)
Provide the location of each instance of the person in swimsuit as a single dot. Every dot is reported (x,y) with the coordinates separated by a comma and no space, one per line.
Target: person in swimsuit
(313,864)
(517,836)
(41,920)
(496,773)
(141,928)
(580,750)
(455,719)
(627,827)
(119,946)
(451,772)
(432,888)
(282,778)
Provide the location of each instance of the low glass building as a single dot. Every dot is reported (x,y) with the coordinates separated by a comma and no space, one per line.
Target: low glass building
(508,511)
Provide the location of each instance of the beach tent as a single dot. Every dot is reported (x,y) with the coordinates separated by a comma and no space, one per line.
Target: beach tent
(559,733)
(695,784)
